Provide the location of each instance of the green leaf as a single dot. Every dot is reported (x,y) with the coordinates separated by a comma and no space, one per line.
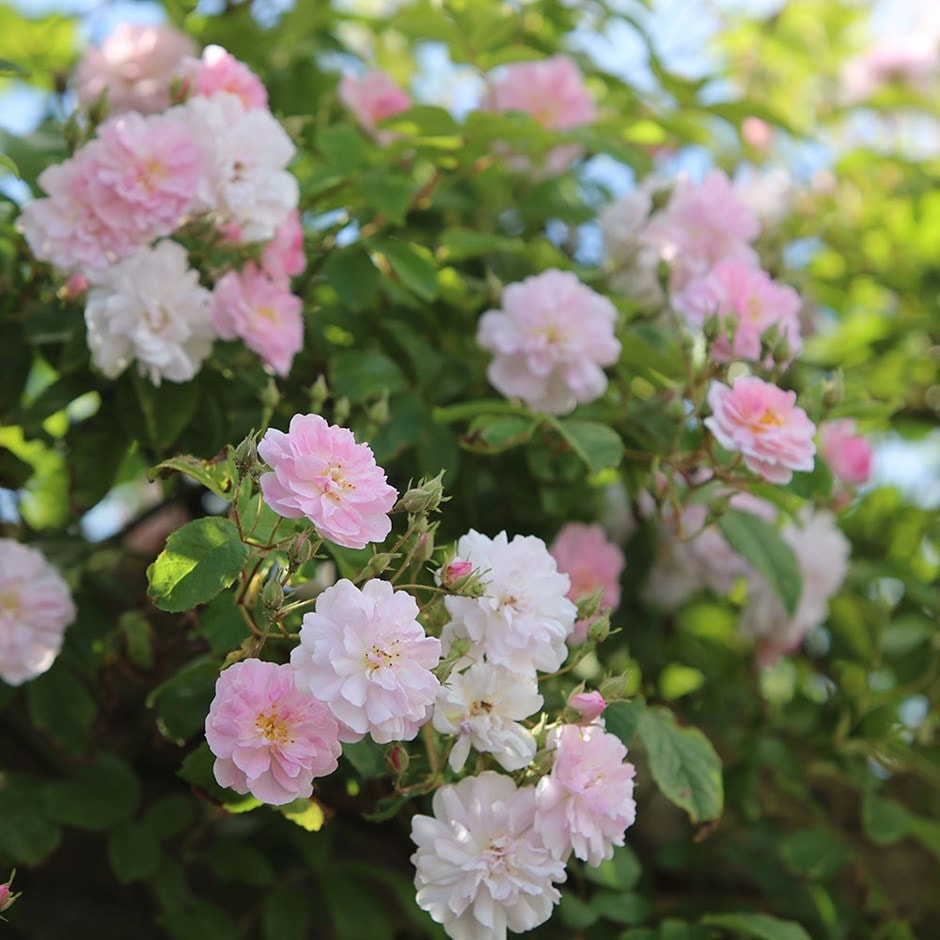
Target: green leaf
(761,926)
(360,375)
(201,559)
(815,853)
(170,816)
(462,243)
(884,821)
(133,852)
(623,718)
(156,415)
(182,702)
(761,544)
(218,476)
(367,757)
(7,164)
(620,873)
(60,704)
(388,193)
(343,146)
(414,267)
(100,796)
(493,434)
(598,445)
(621,908)
(27,836)
(355,277)
(308,814)
(285,915)
(575,913)
(683,764)
(11,68)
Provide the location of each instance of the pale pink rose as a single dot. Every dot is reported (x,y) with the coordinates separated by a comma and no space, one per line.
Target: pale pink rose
(136,64)
(591,561)
(589,705)
(145,176)
(848,454)
(585,805)
(35,609)
(481,869)
(763,423)
(746,300)
(553,92)
(269,738)
(64,228)
(319,471)
(483,706)
(371,99)
(702,224)
(283,257)
(218,70)
(551,339)
(523,618)
(248,305)
(822,552)
(911,61)
(365,655)
(150,308)
(244,158)
(757,133)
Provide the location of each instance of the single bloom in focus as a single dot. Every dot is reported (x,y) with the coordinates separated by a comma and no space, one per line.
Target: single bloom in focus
(136,64)
(248,305)
(585,805)
(523,618)
(319,471)
(551,339)
(371,99)
(848,454)
(584,553)
(35,609)
(762,422)
(481,868)
(150,308)
(482,707)
(218,70)
(365,655)
(269,738)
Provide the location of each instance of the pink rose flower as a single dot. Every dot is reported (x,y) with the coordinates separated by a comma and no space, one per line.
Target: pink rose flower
(757,133)
(144,177)
(848,454)
(35,609)
(702,224)
(480,867)
(269,739)
(911,61)
(283,257)
(247,304)
(589,705)
(746,299)
(319,471)
(365,655)
(218,70)
(373,98)
(553,92)
(763,423)
(136,64)
(551,340)
(584,554)
(585,805)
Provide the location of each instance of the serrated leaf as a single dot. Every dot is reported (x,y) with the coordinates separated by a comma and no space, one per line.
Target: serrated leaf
(598,445)
(762,926)
(623,718)
(760,543)
(201,559)
(683,764)
(414,269)
(218,476)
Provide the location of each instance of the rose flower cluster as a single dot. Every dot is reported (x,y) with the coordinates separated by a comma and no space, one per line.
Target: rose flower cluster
(114,213)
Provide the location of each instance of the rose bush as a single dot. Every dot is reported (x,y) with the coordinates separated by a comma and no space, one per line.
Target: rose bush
(424,518)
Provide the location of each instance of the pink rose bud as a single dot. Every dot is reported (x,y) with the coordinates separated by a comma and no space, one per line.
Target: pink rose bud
(74,287)
(848,454)
(7,897)
(456,570)
(589,705)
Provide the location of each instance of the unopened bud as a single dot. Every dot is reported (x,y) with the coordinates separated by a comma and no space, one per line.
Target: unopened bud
(833,392)
(456,570)
(72,134)
(319,393)
(73,288)
(425,548)
(711,328)
(179,89)
(270,395)
(599,629)
(615,688)
(379,562)
(398,759)
(589,605)
(273,596)
(782,352)
(299,552)
(588,705)
(341,411)
(98,111)
(378,413)
(7,896)
(246,455)
(427,496)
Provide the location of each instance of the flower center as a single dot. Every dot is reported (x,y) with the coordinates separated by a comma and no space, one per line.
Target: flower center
(10,603)
(381,658)
(268,313)
(334,482)
(273,728)
(480,707)
(753,309)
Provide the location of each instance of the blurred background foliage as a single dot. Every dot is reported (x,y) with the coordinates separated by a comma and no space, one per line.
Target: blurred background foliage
(831,765)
